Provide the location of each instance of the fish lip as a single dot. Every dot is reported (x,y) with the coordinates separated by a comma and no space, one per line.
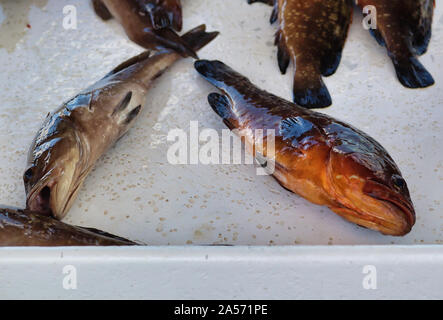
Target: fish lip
(400,204)
(403,206)
(35,192)
(382,192)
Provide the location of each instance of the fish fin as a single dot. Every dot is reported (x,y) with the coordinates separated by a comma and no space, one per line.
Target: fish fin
(377,36)
(223,107)
(283,53)
(101,10)
(421,41)
(296,127)
(160,18)
(166,15)
(123,104)
(218,73)
(268,164)
(412,74)
(133,114)
(314,96)
(274,14)
(168,39)
(330,62)
(422,30)
(141,57)
(197,38)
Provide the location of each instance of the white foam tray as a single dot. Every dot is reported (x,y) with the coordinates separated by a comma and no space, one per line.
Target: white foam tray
(135,193)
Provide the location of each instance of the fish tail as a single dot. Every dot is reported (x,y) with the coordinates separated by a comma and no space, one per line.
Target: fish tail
(197,38)
(218,73)
(311,93)
(189,43)
(412,74)
(169,39)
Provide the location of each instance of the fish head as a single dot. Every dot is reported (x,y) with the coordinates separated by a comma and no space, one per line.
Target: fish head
(53,177)
(371,192)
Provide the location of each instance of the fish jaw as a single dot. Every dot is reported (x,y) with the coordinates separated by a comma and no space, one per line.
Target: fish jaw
(397,226)
(54,192)
(372,204)
(390,215)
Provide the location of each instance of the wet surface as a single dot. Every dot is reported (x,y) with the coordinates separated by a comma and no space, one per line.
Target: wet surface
(135,193)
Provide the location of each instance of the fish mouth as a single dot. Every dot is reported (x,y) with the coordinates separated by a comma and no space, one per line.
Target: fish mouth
(39,201)
(381,209)
(400,206)
(52,198)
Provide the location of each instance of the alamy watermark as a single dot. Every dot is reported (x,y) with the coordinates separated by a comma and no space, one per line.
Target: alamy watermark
(370,17)
(70,17)
(70,278)
(370,278)
(209,148)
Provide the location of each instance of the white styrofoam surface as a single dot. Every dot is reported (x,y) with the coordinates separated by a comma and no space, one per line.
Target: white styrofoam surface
(134,192)
(296,272)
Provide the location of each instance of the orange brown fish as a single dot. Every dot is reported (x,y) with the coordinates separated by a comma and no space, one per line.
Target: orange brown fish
(324,160)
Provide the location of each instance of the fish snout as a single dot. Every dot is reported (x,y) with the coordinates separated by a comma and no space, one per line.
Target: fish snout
(52,195)
(397,202)
(38,200)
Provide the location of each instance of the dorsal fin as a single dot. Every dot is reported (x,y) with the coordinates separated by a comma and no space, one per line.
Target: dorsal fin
(141,57)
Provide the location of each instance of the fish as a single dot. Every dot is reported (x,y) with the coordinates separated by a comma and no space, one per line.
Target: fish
(404,27)
(312,34)
(20,228)
(322,159)
(73,137)
(141,25)
(164,13)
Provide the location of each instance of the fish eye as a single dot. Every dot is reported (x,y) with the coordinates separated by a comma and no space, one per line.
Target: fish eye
(28,175)
(399,182)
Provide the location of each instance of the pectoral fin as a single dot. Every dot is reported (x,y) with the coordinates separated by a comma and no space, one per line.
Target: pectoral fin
(222,106)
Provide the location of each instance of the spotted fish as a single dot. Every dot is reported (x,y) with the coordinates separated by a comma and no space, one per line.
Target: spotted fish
(312,33)
(404,27)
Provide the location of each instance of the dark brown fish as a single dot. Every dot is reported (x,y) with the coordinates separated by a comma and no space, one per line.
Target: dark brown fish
(324,160)
(141,25)
(312,34)
(404,27)
(164,13)
(75,136)
(24,228)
